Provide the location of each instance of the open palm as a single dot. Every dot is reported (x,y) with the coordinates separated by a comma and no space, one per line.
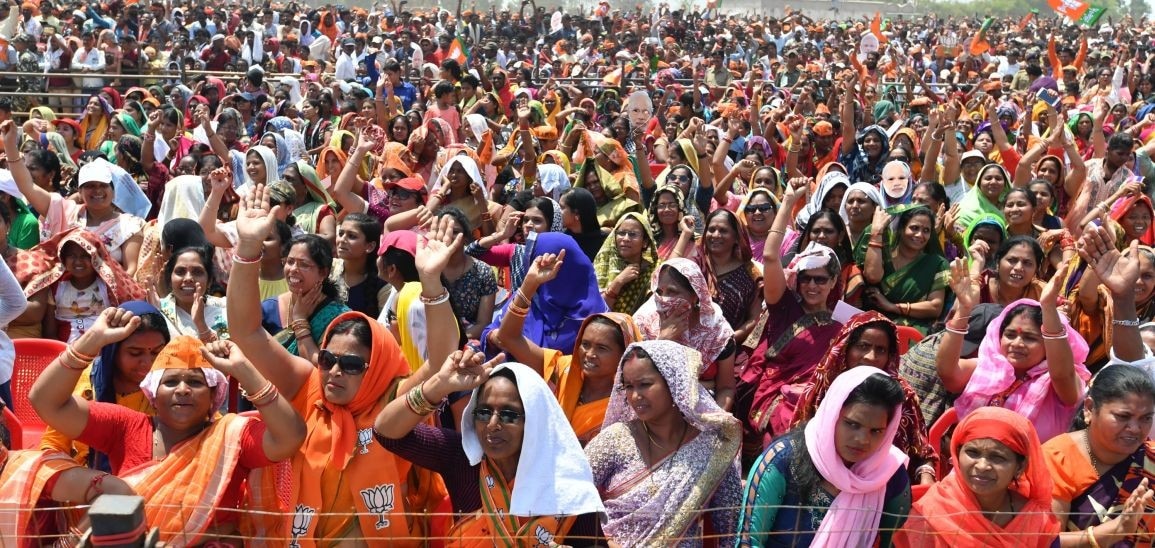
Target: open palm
(437,247)
(255,219)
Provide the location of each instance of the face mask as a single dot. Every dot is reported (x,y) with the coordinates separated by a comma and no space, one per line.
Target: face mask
(671,305)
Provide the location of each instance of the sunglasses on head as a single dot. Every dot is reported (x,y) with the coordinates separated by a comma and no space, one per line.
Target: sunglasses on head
(349,364)
(804,279)
(505,416)
(759,208)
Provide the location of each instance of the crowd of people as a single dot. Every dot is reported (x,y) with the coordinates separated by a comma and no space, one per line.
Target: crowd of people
(643,277)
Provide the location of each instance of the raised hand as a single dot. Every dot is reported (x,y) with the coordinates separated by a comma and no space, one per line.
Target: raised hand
(8,133)
(220,180)
(437,247)
(797,189)
(365,142)
(1117,271)
(226,357)
(545,268)
(463,370)
(1134,509)
(878,223)
(687,224)
(112,326)
(1049,297)
(964,287)
(198,306)
(508,226)
(255,219)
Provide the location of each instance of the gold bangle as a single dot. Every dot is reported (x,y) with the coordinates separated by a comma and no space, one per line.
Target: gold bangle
(1091,537)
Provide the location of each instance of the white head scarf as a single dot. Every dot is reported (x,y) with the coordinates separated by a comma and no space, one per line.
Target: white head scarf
(554,477)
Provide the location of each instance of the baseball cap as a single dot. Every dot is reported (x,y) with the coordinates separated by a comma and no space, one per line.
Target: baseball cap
(405,240)
(976,154)
(409,183)
(95,172)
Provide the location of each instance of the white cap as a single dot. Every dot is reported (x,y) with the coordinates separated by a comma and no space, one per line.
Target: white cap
(96,172)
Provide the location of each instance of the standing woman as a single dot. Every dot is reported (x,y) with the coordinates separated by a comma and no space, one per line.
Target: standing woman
(626,263)
(666,458)
(682,310)
(94,124)
(998,494)
(909,276)
(512,429)
(837,480)
(471,283)
(734,282)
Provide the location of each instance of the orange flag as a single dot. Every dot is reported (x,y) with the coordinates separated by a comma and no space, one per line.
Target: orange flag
(876,27)
(979,44)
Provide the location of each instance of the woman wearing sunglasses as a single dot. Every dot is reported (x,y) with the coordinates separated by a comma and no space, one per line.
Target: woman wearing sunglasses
(513,428)
(798,299)
(359,367)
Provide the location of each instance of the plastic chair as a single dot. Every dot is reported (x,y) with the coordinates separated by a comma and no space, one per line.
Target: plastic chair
(15,429)
(32,356)
(907,337)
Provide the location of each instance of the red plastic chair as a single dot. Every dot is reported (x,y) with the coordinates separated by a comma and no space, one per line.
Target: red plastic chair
(907,337)
(32,356)
(15,429)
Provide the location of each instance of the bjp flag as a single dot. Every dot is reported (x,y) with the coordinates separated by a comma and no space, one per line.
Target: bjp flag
(1078,11)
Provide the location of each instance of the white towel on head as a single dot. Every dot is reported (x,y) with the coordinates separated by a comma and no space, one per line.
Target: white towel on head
(554,477)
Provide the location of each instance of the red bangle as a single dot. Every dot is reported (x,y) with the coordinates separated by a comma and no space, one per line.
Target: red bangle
(237,259)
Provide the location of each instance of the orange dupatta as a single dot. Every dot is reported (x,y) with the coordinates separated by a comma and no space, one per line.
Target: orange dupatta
(182,491)
(493,525)
(340,441)
(586,418)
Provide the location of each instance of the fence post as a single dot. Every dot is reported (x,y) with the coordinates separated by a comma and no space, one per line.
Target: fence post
(120,517)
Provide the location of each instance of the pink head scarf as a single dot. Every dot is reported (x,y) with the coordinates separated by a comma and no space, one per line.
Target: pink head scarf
(994,375)
(853,517)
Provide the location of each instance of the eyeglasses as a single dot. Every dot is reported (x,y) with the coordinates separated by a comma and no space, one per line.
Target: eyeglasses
(505,416)
(402,193)
(804,279)
(628,234)
(667,207)
(759,208)
(349,364)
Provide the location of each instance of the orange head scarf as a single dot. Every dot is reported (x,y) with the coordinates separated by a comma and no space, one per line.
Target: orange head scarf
(949,515)
(322,165)
(386,364)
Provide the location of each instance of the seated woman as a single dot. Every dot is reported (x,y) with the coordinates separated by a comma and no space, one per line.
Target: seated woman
(583,391)
(560,306)
(1019,211)
(184,457)
(798,329)
(869,338)
(756,212)
(1101,492)
(96,213)
(579,217)
(682,311)
(460,185)
(1030,361)
(985,198)
(625,265)
(666,215)
(358,238)
(857,211)
(540,215)
(115,377)
(471,283)
(189,308)
(513,429)
(733,279)
(1014,276)
(908,275)
(609,196)
(666,458)
(79,281)
(37,484)
(837,480)
(312,205)
(999,493)
(312,302)
(361,367)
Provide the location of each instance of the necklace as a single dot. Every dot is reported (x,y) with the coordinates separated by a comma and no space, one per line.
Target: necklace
(1091,452)
(653,486)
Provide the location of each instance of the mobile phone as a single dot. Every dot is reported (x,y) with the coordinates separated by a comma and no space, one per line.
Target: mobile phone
(1048,96)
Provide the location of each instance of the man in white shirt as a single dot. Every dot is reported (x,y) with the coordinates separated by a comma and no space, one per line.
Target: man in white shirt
(89,59)
(346,69)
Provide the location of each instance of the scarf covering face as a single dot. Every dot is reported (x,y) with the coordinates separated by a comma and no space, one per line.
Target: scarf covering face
(712,333)
(949,515)
(561,305)
(554,477)
(681,501)
(994,375)
(911,437)
(853,517)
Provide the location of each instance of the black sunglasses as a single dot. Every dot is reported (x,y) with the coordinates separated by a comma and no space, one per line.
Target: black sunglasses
(505,416)
(349,364)
(763,208)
